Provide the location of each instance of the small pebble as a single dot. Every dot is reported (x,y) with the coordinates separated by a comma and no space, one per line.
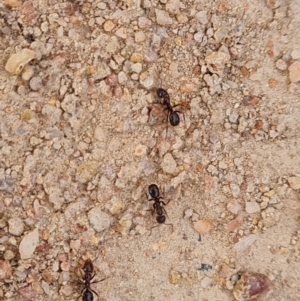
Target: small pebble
(146,80)
(121,33)
(98,219)
(233,206)
(294,70)
(18,61)
(140,150)
(188,213)
(163,18)
(281,64)
(12,3)
(273,3)
(182,18)
(16,226)
(27,292)
(234,224)
(245,243)
(108,25)
(188,87)
(136,57)
(112,80)
(29,13)
(174,276)
(168,164)
(5,270)
(206,282)
(137,67)
(65,266)
(250,286)
(36,83)
(295,54)
(294,182)
(202,17)
(27,73)
(252,207)
(28,244)
(8,255)
(122,78)
(203,226)
(139,37)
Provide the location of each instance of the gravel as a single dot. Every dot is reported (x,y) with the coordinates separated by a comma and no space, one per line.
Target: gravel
(16,226)
(83,134)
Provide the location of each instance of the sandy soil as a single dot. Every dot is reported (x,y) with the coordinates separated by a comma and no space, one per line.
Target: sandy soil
(83,134)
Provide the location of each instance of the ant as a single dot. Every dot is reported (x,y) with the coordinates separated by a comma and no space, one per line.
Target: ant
(172,115)
(89,274)
(158,205)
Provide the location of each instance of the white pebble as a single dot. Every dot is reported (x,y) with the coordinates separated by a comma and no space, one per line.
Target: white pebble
(168,164)
(137,67)
(122,78)
(36,83)
(202,17)
(295,54)
(245,242)
(16,226)
(27,73)
(18,61)
(252,207)
(163,18)
(281,64)
(98,219)
(28,244)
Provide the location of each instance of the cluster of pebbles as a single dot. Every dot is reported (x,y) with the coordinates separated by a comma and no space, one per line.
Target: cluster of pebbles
(82,137)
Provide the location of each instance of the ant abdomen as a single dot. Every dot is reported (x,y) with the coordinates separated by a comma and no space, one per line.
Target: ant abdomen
(160,219)
(174,119)
(87,296)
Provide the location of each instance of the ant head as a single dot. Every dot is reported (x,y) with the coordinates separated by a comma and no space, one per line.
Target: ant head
(88,266)
(160,219)
(87,295)
(161,93)
(174,118)
(153,191)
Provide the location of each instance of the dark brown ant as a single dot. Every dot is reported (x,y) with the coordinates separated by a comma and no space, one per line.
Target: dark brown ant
(172,115)
(89,274)
(158,205)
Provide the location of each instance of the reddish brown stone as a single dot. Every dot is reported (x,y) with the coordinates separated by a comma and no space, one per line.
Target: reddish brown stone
(258,124)
(250,100)
(244,71)
(270,53)
(47,276)
(27,292)
(5,269)
(197,70)
(30,14)
(272,82)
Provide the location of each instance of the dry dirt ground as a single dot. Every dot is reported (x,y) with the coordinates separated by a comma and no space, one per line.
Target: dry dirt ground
(83,134)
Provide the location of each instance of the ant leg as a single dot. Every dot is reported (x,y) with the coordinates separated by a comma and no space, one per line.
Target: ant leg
(95,293)
(164,210)
(99,280)
(151,230)
(167,127)
(171,226)
(151,199)
(80,294)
